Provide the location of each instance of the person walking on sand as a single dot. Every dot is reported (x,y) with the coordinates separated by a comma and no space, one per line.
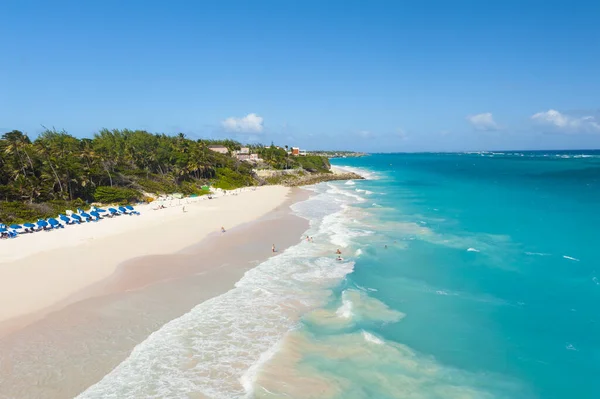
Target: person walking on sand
(222,229)
(273,248)
(183,209)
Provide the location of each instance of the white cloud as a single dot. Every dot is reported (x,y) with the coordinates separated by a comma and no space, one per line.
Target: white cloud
(566,123)
(250,123)
(483,122)
(365,134)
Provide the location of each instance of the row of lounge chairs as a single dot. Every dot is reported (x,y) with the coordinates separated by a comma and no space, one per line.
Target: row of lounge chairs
(70,218)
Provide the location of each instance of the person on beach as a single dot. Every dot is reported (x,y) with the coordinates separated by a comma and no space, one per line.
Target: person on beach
(339,258)
(338,252)
(184,209)
(307,238)
(222,229)
(273,248)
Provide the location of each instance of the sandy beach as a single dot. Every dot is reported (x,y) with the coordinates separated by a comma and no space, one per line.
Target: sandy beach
(74,309)
(55,265)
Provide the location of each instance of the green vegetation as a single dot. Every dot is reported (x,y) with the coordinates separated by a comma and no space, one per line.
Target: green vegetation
(115,166)
(277,158)
(21,212)
(314,164)
(229,179)
(58,171)
(338,154)
(114,195)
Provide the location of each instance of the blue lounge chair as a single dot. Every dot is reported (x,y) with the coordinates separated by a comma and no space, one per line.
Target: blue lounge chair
(29,227)
(43,225)
(55,224)
(131,210)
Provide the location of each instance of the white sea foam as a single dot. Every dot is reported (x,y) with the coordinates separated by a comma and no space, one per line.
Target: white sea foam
(248,379)
(570,258)
(333,189)
(365,173)
(371,338)
(358,252)
(216,349)
(345,311)
(350,183)
(472,250)
(536,254)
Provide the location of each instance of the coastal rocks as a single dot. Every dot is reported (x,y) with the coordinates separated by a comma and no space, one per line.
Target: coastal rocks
(319,178)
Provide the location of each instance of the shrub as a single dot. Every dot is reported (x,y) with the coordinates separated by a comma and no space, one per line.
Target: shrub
(21,212)
(189,188)
(157,186)
(111,195)
(229,179)
(313,163)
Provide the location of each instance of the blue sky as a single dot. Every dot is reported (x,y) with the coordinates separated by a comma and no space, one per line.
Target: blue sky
(368,75)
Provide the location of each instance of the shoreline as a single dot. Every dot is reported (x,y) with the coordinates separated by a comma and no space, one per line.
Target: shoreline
(59,265)
(87,327)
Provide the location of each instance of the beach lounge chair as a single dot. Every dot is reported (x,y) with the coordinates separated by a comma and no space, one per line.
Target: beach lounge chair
(132,210)
(43,225)
(102,212)
(55,224)
(85,216)
(29,227)
(124,210)
(4,232)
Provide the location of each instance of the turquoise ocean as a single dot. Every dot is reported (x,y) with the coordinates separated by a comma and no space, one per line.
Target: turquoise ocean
(471,275)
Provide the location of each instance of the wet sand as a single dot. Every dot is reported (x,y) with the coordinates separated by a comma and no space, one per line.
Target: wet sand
(72,348)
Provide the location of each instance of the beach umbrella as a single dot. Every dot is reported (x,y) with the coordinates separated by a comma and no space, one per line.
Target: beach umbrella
(123,209)
(112,210)
(95,214)
(85,215)
(129,207)
(16,226)
(64,218)
(100,210)
(53,222)
(76,217)
(42,223)
(29,225)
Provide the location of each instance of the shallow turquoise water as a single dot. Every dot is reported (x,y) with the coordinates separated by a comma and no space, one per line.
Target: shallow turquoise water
(493,259)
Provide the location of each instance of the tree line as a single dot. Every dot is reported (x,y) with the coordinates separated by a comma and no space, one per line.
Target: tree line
(59,166)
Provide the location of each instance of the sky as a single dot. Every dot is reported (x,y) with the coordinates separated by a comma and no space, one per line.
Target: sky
(376,76)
